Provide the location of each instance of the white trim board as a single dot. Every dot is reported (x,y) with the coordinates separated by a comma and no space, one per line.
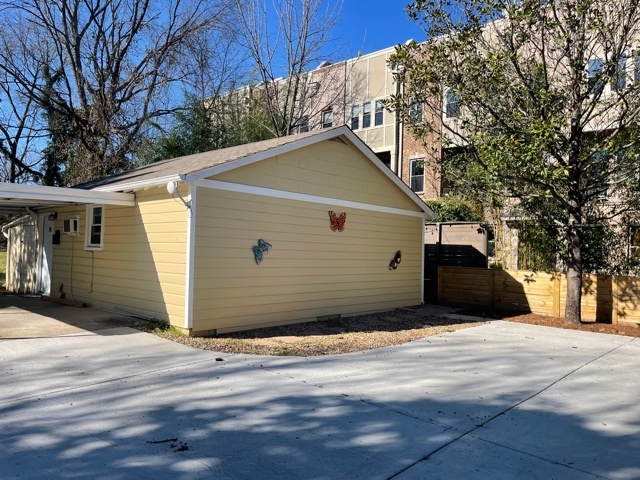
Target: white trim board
(149,183)
(191,255)
(303,197)
(304,142)
(257,157)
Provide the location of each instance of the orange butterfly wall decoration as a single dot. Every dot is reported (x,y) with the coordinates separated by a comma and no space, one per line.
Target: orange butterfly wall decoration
(337,221)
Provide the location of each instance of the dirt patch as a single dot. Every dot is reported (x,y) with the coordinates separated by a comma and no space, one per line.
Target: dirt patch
(534,319)
(346,335)
(360,333)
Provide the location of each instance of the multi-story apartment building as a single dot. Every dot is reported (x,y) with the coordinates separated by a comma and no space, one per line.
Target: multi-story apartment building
(352,92)
(369,79)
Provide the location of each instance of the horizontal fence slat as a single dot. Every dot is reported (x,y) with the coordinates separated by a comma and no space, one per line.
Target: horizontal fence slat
(604,298)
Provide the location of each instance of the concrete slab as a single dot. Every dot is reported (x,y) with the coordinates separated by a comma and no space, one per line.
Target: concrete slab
(499,400)
(474,459)
(213,420)
(32,317)
(42,365)
(460,379)
(589,420)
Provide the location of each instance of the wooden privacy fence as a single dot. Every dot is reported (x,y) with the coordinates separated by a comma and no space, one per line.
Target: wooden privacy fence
(608,299)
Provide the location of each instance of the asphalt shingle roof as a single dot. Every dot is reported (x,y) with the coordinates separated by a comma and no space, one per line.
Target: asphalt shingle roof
(195,163)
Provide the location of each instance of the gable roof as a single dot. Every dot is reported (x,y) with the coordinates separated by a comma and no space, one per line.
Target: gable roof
(180,167)
(192,168)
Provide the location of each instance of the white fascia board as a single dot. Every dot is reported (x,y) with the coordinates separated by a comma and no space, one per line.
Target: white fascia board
(55,195)
(303,197)
(289,147)
(152,182)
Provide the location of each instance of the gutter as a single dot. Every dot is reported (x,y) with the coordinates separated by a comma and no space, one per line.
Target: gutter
(16,221)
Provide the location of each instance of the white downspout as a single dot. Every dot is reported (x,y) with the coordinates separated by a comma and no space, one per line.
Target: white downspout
(16,221)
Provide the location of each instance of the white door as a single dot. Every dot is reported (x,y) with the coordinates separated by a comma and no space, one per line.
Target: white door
(45,262)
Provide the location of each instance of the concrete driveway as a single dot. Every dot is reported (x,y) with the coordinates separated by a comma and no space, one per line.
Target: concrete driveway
(31,317)
(500,400)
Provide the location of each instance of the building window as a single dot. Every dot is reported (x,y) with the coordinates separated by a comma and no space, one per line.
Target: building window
(452,105)
(600,174)
(379,114)
(94,228)
(327,118)
(355,117)
(366,114)
(417,175)
(303,124)
(619,80)
(634,242)
(596,84)
(415,110)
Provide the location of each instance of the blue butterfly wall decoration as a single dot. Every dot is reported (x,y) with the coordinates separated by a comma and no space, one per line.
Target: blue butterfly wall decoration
(261,248)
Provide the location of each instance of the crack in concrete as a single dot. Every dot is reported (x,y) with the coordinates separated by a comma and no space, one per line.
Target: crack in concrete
(481,425)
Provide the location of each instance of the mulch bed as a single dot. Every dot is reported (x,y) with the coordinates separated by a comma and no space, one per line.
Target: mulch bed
(534,319)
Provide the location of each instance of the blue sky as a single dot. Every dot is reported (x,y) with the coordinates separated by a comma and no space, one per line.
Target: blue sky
(368,26)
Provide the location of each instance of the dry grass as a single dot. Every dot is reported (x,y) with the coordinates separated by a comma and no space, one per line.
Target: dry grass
(346,335)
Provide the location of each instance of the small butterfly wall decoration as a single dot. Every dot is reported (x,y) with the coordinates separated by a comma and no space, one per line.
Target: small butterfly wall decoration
(261,248)
(395,261)
(337,221)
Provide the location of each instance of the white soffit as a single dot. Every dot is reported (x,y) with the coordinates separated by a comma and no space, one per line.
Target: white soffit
(17,194)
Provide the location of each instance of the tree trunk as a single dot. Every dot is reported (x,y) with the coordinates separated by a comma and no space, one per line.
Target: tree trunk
(573,309)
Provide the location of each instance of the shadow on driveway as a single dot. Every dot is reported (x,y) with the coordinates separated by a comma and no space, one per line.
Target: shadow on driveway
(437,409)
(32,317)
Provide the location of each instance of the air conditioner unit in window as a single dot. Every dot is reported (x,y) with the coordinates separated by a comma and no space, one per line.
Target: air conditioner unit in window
(70,226)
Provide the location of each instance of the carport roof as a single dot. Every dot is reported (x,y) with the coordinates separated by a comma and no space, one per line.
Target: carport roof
(15,197)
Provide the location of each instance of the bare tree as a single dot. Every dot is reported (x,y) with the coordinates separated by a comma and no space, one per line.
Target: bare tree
(116,59)
(20,126)
(285,40)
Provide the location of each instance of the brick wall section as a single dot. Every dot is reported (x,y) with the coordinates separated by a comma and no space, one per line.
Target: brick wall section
(330,94)
(430,150)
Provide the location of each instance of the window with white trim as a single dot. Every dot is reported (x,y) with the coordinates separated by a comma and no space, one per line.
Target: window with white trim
(452,104)
(619,80)
(600,168)
(94,232)
(303,124)
(594,74)
(366,114)
(355,117)
(327,118)
(634,242)
(417,175)
(415,110)
(379,114)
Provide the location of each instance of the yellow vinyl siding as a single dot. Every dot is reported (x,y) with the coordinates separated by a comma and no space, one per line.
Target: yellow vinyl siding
(142,265)
(328,169)
(310,271)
